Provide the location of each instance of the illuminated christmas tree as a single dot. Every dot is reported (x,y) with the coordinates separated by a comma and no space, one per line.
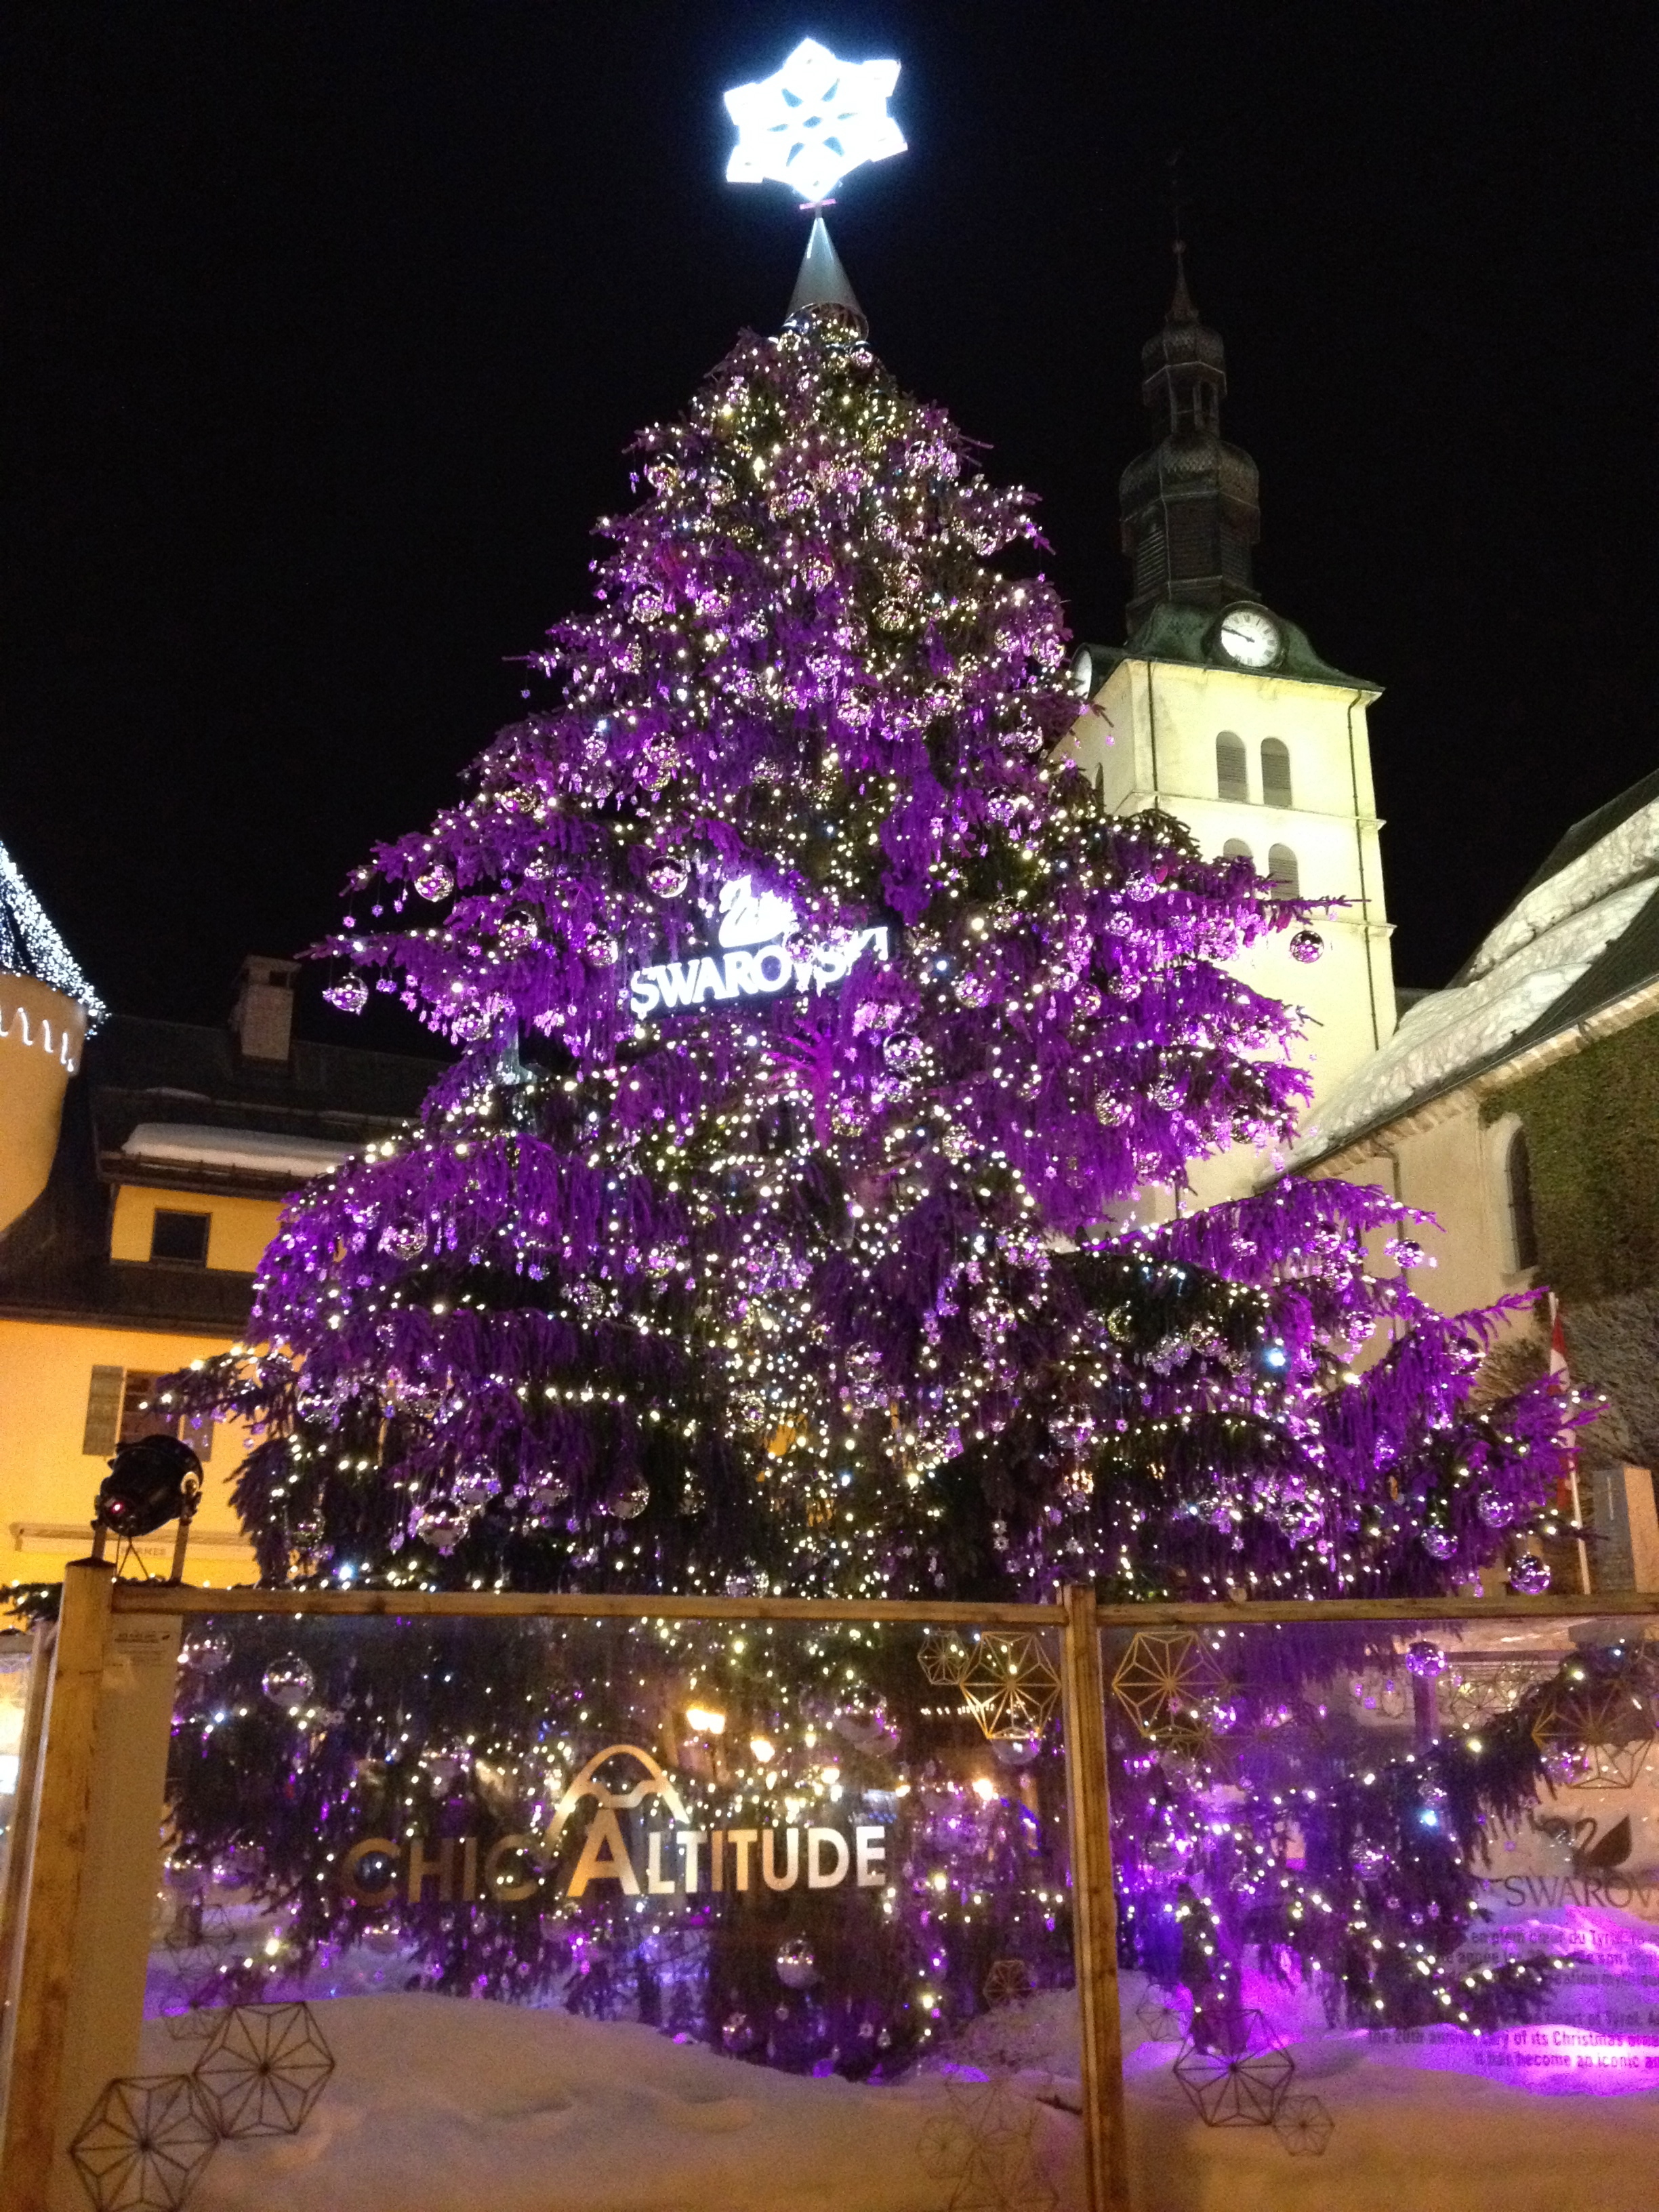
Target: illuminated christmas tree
(820,1041)
(815,1027)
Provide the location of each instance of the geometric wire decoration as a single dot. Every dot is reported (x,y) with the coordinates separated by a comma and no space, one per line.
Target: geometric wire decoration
(198,1975)
(1596,1734)
(193,2025)
(1242,2083)
(984,2146)
(945,1658)
(1162,2017)
(1304,2127)
(1010,1686)
(1164,1682)
(1479,1688)
(263,2071)
(143,2143)
(1008,1981)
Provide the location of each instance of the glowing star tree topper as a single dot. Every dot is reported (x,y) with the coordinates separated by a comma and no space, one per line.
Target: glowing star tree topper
(812,123)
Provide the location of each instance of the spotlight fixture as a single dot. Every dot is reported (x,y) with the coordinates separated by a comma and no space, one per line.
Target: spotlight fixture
(152,1480)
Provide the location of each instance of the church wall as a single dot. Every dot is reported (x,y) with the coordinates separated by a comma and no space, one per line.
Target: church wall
(1451,1166)
(1591,1122)
(1592,1125)
(1153,742)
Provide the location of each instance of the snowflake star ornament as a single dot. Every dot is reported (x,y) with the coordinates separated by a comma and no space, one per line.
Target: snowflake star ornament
(812,123)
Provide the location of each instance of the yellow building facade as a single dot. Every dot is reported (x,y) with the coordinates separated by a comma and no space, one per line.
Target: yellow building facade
(169,1150)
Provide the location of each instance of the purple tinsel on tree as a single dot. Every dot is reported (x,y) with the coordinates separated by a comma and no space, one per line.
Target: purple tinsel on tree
(811,1275)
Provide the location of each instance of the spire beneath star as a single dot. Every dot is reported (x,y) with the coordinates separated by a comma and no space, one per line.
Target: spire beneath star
(822,281)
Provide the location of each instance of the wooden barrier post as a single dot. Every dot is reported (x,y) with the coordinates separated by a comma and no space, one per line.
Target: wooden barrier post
(1093,1905)
(57,1853)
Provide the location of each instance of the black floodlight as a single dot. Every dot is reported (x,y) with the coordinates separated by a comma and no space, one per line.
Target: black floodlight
(152,1480)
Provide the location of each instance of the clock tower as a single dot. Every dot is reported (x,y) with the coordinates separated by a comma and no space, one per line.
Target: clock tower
(1219,711)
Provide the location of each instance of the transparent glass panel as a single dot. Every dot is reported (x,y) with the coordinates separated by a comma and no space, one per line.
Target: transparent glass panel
(24,1662)
(16,1673)
(721,1914)
(1390,1905)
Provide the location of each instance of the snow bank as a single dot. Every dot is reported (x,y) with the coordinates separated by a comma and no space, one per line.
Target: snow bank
(1405,2140)
(446,2105)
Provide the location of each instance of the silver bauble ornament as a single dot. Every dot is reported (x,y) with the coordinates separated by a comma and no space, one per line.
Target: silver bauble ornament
(1530,1575)
(627,1497)
(797,1963)
(521,926)
(289,1683)
(207,1654)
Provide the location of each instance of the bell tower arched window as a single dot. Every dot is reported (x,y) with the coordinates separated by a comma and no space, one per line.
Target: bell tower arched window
(1523,1228)
(1281,866)
(1276,773)
(1232,779)
(1236,849)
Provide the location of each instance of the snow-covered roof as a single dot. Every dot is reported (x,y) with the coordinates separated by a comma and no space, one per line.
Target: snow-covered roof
(1582,935)
(189,1144)
(29,945)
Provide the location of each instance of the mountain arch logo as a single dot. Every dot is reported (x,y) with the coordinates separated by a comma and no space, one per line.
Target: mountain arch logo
(604,1853)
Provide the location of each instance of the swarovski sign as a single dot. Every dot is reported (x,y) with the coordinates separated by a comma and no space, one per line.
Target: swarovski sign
(758,957)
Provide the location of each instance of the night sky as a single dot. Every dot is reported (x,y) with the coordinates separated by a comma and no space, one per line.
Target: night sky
(322,327)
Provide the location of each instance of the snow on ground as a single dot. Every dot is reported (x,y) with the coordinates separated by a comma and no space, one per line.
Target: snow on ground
(447,2105)
(1405,2140)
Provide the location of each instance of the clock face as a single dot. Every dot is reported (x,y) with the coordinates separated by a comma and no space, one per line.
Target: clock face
(1249,637)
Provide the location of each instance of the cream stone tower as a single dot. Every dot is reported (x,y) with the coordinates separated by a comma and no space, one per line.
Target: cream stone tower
(45,1008)
(1219,712)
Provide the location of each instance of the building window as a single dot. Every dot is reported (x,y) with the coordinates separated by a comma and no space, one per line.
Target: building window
(1523,1229)
(1236,849)
(142,1414)
(121,1406)
(1275,772)
(180,1239)
(1231,777)
(1281,866)
(103,1411)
